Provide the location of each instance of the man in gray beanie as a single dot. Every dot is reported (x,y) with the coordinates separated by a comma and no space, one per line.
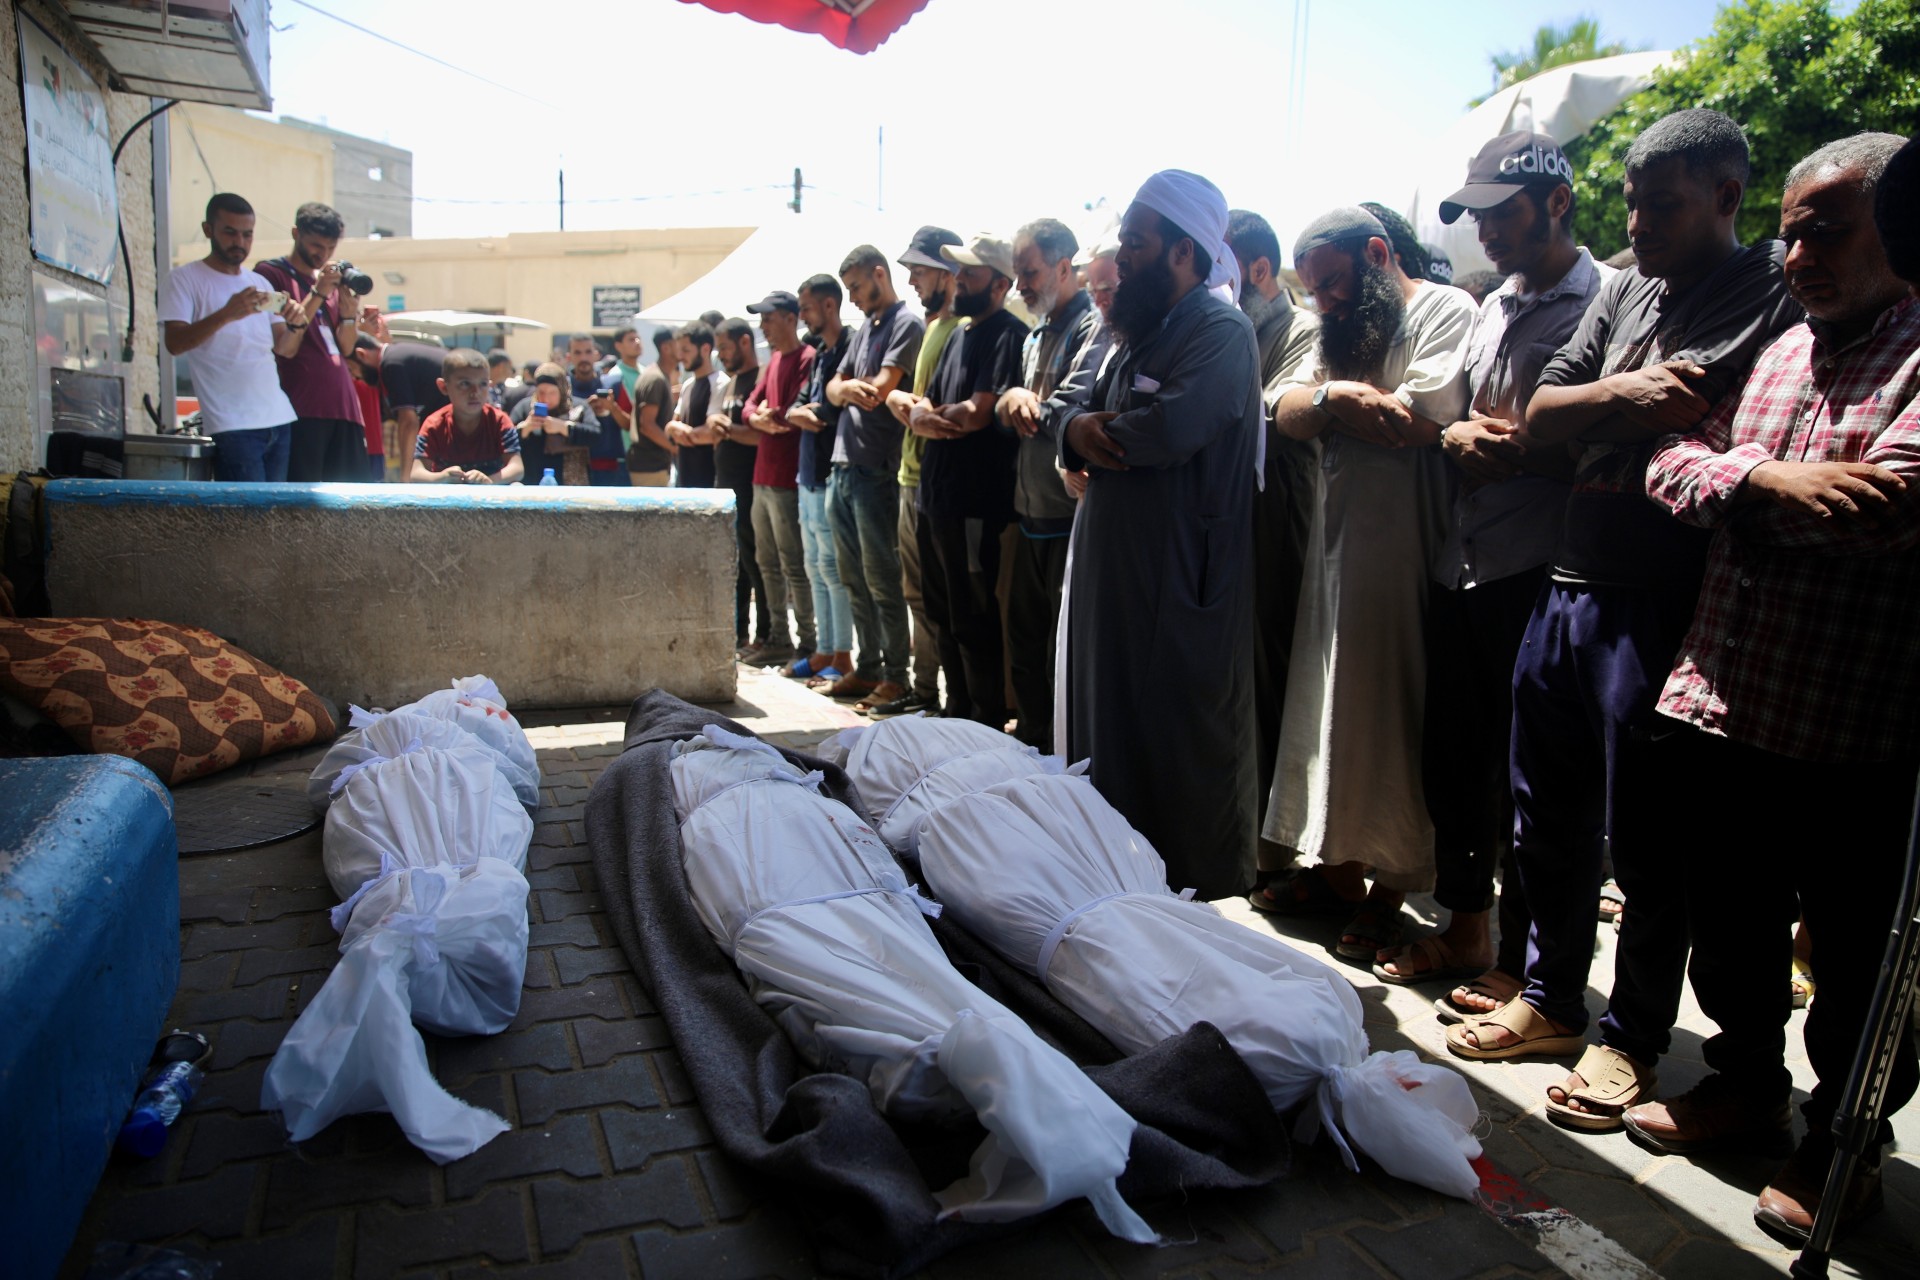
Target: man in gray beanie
(1389,373)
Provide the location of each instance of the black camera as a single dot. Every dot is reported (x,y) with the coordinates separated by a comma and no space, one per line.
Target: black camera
(353,278)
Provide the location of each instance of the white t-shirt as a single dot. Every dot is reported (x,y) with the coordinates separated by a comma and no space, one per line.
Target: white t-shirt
(233,371)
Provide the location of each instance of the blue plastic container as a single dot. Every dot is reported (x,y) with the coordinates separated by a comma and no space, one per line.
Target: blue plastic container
(89,960)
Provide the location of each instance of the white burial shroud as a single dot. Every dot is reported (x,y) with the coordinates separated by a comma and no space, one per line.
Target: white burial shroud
(425,839)
(475,704)
(831,939)
(1044,870)
(372,737)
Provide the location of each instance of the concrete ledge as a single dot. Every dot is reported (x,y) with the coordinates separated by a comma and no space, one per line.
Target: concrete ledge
(378,594)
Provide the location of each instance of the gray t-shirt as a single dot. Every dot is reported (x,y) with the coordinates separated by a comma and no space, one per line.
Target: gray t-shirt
(651,389)
(871,437)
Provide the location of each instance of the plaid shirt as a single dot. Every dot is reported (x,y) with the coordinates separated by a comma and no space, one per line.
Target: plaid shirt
(1806,640)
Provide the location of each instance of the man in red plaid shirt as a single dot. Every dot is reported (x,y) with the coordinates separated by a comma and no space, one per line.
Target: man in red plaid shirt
(1800,677)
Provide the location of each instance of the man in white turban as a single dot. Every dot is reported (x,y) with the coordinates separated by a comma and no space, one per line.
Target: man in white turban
(1159,616)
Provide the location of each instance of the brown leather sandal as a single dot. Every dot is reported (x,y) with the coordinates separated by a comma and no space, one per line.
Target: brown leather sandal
(1613,1081)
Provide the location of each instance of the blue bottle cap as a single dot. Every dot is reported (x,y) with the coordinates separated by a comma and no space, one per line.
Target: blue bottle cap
(144,1133)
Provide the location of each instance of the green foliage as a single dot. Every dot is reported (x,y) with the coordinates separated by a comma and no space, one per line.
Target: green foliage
(1791,73)
(1578,41)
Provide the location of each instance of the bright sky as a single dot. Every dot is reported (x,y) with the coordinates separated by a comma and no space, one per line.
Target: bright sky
(995,111)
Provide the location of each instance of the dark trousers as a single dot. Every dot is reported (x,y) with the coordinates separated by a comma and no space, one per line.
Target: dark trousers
(1282,518)
(1593,760)
(326,450)
(1786,837)
(959,565)
(251,455)
(1473,638)
(1033,619)
(749,593)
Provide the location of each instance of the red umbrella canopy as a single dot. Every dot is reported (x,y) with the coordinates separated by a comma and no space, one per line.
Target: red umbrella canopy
(858,26)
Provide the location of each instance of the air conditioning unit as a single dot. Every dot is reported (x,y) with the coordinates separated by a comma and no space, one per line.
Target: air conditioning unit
(195,50)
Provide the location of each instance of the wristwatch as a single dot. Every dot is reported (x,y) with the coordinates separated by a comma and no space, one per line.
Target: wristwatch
(1320,398)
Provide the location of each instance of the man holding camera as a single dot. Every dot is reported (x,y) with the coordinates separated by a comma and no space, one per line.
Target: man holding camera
(329,440)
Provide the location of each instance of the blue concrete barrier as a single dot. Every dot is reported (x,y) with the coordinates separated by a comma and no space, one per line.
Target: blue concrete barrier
(378,594)
(89,959)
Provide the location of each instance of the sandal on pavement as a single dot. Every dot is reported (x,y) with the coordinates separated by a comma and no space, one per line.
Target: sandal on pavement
(884,692)
(849,687)
(1304,893)
(1534,1036)
(1496,985)
(1373,928)
(1614,1081)
(1612,902)
(1802,983)
(824,678)
(1435,959)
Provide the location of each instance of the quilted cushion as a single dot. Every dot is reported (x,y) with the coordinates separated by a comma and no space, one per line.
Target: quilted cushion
(181,701)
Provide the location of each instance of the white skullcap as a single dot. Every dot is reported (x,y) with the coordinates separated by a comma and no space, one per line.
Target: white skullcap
(1197,208)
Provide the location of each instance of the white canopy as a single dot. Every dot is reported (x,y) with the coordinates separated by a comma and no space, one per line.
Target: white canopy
(780,255)
(1564,102)
(443,320)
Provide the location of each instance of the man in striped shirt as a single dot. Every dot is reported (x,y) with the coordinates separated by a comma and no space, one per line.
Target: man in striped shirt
(1800,679)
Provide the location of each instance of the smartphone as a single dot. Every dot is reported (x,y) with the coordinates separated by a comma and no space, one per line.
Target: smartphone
(273,303)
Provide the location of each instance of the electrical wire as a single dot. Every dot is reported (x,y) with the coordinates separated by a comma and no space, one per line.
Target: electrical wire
(420,53)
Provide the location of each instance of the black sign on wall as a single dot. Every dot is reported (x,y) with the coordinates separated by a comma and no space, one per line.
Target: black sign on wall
(614,305)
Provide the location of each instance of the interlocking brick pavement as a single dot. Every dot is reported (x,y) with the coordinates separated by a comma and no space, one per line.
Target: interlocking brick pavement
(609,1169)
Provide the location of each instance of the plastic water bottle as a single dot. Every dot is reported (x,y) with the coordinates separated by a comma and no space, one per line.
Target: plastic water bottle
(167,1092)
(548,479)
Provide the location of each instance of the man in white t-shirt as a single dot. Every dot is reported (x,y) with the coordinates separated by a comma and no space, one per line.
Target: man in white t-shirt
(217,314)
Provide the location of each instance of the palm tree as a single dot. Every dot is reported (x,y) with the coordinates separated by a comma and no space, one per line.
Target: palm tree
(1578,41)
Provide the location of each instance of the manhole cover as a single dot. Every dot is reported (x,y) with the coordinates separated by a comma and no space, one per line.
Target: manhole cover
(239,813)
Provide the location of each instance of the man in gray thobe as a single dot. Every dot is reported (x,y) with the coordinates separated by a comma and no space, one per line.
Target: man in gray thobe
(1160,601)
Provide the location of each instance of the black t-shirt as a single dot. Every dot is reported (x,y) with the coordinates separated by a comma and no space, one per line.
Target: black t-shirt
(972,477)
(1613,533)
(733,461)
(409,373)
(694,462)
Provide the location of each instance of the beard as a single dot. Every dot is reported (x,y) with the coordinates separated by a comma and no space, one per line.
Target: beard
(935,303)
(1355,348)
(971,304)
(1142,301)
(1255,307)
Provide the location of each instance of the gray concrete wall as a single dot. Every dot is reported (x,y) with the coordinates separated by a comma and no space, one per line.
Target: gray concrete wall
(377,594)
(17,447)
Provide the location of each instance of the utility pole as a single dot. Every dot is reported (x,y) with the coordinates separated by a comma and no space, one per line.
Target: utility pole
(794,204)
(563,199)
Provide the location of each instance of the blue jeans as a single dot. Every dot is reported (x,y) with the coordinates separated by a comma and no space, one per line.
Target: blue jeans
(252,456)
(832,604)
(864,508)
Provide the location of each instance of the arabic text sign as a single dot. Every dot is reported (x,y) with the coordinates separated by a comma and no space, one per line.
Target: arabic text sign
(75,204)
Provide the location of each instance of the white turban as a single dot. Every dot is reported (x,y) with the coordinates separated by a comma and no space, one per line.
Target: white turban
(1196,206)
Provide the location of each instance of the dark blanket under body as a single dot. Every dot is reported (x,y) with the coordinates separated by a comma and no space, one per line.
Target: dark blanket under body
(866,1185)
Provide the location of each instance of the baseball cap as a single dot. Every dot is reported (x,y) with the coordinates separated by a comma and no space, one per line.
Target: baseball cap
(1439,265)
(1511,162)
(778,300)
(924,249)
(982,250)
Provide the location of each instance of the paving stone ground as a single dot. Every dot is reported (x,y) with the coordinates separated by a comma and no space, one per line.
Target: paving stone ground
(610,1171)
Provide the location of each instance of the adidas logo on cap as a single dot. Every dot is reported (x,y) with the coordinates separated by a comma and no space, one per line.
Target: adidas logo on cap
(1537,161)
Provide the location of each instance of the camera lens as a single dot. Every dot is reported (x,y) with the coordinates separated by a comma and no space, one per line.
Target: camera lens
(355,279)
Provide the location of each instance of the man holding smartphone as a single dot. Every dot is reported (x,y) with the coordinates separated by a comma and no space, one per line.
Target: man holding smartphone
(220,316)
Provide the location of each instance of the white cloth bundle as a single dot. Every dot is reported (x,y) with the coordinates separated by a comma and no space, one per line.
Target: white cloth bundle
(1045,871)
(908,766)
(442,946)
(421,808)
(830,937)
(475,704)
(372,738)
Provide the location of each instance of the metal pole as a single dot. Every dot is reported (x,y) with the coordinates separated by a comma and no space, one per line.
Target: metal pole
(563,199)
